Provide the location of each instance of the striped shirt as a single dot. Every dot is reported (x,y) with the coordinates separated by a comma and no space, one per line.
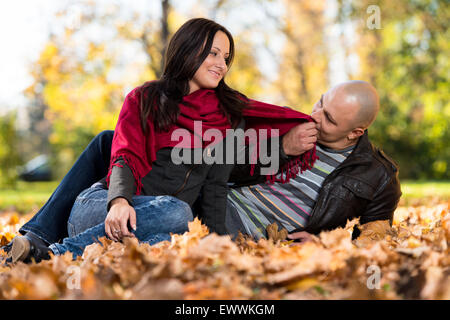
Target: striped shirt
(289,204)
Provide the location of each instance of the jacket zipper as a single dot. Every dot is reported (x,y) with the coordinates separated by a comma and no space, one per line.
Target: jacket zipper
(185,181)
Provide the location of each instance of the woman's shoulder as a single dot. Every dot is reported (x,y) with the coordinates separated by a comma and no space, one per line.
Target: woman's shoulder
(144,88)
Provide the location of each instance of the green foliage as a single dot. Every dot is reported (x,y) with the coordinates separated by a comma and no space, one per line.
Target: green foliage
(407,61)
(9,157)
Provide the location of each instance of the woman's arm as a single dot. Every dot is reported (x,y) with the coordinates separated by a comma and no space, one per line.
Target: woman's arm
(121,183)
(241,174)
(213,203)
(128,150)
(119,203)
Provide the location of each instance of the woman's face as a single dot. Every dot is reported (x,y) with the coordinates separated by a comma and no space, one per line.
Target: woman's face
(214,67)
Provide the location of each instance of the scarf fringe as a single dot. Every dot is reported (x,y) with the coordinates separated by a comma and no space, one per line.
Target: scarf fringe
(292,168)
(128,162)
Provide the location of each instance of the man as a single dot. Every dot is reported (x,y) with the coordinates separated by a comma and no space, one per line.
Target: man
(350,179)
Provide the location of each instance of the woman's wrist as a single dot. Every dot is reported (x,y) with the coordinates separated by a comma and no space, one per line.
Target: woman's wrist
(119,200)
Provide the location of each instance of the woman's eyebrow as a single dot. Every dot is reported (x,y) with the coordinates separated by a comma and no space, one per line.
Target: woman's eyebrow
(219,50)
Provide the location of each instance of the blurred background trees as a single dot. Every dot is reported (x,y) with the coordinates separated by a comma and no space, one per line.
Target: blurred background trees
(408,62)
(9,155)
(288,52)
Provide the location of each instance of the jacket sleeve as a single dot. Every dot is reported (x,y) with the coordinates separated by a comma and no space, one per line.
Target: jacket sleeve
(130,143)
(384,202)
(213,203)
(121,183)
(128,152)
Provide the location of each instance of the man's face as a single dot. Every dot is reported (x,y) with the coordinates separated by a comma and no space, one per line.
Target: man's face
(334,114)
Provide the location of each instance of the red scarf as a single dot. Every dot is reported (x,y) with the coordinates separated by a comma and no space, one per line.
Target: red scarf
(139,151)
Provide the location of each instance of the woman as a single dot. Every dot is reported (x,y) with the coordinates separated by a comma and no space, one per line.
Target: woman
(192,88)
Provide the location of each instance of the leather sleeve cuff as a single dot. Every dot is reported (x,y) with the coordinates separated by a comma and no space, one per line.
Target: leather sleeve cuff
(283,155)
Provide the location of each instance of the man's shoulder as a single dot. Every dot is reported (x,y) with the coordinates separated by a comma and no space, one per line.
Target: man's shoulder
(388,163)
(371,165)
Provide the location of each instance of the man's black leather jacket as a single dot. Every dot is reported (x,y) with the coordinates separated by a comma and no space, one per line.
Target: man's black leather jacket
(365,185)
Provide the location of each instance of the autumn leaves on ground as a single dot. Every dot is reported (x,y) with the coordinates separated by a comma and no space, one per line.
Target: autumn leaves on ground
(410,261)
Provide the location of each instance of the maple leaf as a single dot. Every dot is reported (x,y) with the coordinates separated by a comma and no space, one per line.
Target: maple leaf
(274,234)
(199,265)
(373,231)
(196,228)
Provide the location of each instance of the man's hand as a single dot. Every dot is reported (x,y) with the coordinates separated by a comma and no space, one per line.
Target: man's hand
(116,222)
(301,236)
(300,139)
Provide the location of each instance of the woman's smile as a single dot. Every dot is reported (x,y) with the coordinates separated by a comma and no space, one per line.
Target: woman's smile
(214,67)
(215,74)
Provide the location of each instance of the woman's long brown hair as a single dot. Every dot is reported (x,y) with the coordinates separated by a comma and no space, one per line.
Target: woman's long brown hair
(160,99)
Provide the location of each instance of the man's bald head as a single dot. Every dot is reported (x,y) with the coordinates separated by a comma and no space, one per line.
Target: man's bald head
(344,112)
(365,97)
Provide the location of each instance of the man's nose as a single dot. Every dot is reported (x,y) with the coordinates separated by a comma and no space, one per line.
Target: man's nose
(316,115)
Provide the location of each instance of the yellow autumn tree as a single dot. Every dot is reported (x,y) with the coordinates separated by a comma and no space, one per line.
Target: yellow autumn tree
(304,62)
(82,76)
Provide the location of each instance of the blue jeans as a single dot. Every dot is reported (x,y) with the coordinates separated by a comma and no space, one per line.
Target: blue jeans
(50,222)
(156,218)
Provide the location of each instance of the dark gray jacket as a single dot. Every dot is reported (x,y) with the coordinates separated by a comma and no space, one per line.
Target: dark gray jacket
(184,181)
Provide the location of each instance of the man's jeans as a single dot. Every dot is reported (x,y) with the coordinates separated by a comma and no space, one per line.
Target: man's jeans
(156,218)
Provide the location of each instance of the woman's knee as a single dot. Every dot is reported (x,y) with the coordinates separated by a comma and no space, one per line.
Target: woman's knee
(183,209)
(180,214)
(171,213)
(88,210)
(92,194)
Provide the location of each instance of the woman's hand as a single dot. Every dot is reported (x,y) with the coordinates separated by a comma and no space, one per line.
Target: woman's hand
(116,222)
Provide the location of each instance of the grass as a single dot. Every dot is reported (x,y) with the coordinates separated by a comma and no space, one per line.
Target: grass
(423,191)
(30,196)
(26,196)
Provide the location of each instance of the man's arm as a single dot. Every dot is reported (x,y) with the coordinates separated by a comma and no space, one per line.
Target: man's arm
(241,176)
(376,219)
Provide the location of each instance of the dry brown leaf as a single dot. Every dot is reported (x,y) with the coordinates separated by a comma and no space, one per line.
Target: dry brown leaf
(274,234)
(374,231)
(413,259)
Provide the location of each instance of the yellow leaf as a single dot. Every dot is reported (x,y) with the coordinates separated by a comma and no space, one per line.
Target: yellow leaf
(303,284)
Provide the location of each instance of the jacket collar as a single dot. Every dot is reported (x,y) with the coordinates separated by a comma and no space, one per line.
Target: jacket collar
(362,154)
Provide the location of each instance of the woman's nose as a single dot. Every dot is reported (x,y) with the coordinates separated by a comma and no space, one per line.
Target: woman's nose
(221,64)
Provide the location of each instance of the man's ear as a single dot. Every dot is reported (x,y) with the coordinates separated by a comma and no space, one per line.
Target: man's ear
(355,133)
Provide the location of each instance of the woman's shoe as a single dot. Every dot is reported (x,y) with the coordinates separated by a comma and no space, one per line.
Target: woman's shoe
(28,248)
